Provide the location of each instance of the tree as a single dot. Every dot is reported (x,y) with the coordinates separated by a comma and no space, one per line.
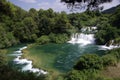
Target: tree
(3,60)
(25,30)
(62,24)
(91,4)
(43,39)
(32,13)
(6,38)
(6,8)
(115,19)
(89,61)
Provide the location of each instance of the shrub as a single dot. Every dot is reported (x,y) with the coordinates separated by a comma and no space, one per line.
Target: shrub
(43,39)
(58,38)
(109,60)
(89,74)
(89,61)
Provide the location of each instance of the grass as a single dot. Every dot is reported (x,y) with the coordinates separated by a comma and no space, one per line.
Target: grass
(112,71)
(4,52)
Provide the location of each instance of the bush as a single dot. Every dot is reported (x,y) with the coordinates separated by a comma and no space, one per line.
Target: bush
(89,74)
(43,40)
(117,41)
(115,53)
(7,72)
(89,61)
(109,60)
(58,38)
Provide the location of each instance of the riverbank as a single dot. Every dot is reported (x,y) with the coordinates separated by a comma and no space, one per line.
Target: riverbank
(41,61)
(46,56)
(57,59)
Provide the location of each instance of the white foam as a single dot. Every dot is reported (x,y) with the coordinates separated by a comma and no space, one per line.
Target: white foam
(15,54)
(82,38)
(111,46)
(89,29)
(28,66)
(104,47)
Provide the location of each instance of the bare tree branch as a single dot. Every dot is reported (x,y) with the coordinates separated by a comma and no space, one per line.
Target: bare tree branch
(89,4)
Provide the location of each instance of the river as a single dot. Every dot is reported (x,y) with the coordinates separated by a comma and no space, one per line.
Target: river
(61,57)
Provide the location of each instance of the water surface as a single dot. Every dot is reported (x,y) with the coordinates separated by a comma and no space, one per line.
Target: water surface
(61,57)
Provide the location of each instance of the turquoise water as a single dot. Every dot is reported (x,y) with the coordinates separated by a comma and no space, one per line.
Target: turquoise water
(61,56)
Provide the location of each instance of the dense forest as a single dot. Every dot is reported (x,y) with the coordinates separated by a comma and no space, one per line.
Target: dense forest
(29,26)
(46,26)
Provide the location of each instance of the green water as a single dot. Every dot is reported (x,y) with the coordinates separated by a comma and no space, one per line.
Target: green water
(60,57)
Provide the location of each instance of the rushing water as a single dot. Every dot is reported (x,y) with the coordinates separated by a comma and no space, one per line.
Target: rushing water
(82,39)
(28,66)
(61,57)
(111,46)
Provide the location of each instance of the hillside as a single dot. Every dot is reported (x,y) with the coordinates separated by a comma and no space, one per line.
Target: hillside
(111,10)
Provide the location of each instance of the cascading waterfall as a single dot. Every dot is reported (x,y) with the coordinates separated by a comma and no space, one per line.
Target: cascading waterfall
(110,46)
(28,63)
(87,37)
(83,38)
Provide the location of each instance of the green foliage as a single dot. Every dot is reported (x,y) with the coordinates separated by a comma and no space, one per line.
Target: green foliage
(58,38)
(88,18)
(3,60)
(115,53)
(89,66)
(108,28)
(53,38)
(8,73)
(6,38)
(109,60)
(20,26)
(89,74)
(43,39)
(117,41)
(106,34)
(30,28)
(89,61)
(44,26)
(115,19)
(51,22)
(93,61)
(6,8)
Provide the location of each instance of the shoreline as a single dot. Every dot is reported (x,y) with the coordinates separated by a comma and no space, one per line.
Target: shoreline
(52,73)
(29,63)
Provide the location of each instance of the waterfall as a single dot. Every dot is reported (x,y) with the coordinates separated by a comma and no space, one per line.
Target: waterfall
(83,38)
(110,46)
(28,63)
(89,29)
(87,37)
